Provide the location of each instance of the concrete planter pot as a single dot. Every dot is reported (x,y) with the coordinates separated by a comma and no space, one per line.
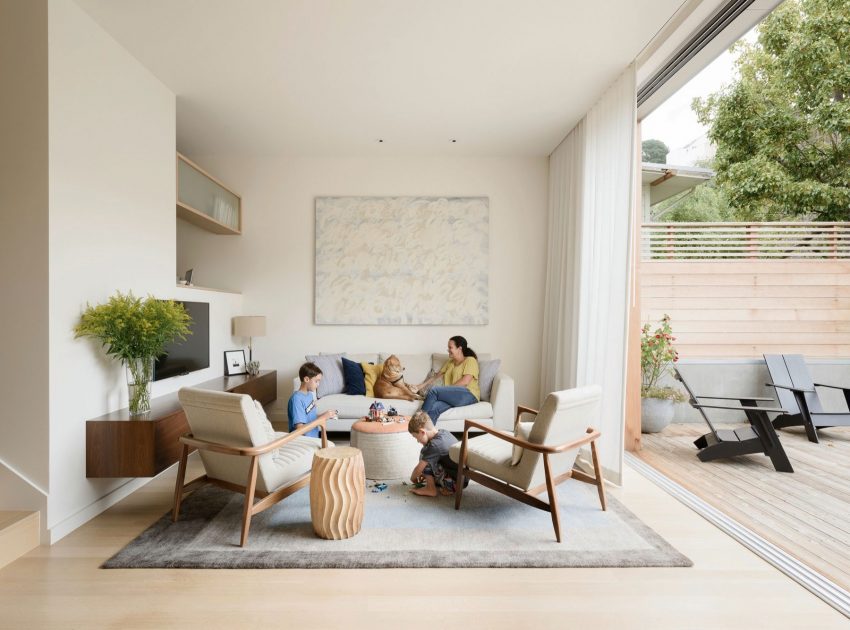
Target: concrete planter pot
(655,414)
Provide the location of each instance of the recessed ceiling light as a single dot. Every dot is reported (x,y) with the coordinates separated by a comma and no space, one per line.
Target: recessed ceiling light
(454,140)
(380,139)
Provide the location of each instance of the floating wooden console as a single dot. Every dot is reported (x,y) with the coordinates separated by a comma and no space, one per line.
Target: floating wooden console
(120,446)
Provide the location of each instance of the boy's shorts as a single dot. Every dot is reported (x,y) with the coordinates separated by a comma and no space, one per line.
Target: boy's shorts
(442,478)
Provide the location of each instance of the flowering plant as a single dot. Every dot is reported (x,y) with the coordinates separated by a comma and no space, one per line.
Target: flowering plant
(657,354)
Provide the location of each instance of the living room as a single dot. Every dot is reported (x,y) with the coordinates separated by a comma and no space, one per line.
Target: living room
(105,93)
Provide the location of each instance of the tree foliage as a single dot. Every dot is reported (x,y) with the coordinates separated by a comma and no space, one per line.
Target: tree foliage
(654,151)
(782,128)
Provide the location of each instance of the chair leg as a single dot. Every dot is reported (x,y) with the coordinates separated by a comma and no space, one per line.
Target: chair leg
(597,470)
(249,500)
(461,465)
(553,501)
(181,478)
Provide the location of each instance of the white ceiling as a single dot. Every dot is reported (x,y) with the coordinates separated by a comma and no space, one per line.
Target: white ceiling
(331,77)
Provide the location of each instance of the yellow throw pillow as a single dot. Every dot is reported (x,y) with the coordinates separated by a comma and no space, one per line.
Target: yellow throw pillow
(371,373)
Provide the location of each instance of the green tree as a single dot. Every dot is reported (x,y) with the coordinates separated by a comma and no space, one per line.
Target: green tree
(782,128)
(654,151)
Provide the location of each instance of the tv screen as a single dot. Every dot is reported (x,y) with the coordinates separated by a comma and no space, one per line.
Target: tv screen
(193,353)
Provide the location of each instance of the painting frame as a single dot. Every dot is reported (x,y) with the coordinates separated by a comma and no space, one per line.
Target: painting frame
(234,363)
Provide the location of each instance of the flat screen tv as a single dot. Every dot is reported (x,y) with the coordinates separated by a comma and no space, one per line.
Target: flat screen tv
(193,353)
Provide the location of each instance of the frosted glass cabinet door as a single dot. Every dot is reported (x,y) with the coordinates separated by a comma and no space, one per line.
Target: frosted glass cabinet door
(200,198)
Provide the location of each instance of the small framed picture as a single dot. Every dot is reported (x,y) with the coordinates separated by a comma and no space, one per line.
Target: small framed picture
(234,362)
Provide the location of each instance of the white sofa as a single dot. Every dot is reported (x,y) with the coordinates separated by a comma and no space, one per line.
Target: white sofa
(497,411)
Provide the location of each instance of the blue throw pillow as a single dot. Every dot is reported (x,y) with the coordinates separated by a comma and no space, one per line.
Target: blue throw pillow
(355,381)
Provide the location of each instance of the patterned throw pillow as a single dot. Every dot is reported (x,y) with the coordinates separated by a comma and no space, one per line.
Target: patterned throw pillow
(487,371)
(424,391)
(333,381)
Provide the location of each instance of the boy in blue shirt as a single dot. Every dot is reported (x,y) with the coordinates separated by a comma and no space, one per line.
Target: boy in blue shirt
(302,407)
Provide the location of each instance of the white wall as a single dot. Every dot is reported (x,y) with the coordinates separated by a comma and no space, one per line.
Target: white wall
(23,255)
(112,227)
(272,263)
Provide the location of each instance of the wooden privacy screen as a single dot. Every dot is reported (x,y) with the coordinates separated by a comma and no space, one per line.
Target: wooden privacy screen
(744,308)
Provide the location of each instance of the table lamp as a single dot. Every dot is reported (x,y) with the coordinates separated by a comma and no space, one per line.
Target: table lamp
(249,326)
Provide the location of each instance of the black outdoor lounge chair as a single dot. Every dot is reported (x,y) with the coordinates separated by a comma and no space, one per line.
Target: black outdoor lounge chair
(759,437)
(797,393)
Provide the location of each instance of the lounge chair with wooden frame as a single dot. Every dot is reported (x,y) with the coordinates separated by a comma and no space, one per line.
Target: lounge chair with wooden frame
(241,451)
(548,454)
(759,437)
(797,392)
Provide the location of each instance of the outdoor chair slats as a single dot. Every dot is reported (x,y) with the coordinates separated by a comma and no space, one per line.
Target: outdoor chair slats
(758,437)
(797,393)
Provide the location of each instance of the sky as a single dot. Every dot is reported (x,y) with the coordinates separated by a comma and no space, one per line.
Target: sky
(675,123)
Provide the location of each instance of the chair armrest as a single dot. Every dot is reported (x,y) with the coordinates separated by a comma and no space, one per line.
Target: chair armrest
(249,451)
(741,408)
(846,389)
(520,410)
(759,398)
(592,434)
(502,401)
(793,389)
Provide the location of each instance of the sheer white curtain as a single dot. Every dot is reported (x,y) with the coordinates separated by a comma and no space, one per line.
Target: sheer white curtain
(585,315)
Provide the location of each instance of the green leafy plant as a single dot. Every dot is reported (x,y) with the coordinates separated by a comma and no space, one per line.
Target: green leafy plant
(657,354)
(136,331)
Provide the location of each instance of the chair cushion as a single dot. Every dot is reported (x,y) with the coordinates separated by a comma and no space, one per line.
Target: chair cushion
(333,381)
(355,380)
(523,430)
(492,456)
(371,373)
(487,370)
(286,464)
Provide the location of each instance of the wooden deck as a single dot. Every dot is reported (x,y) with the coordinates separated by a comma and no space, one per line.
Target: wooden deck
(806,513)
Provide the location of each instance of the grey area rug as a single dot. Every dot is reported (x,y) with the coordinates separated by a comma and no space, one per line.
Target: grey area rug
(402,530)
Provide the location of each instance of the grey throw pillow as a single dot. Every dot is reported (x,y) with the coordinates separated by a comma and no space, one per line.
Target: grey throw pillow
(333,381)
(487,371)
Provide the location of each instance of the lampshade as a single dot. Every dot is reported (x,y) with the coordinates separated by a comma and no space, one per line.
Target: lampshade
(249,326)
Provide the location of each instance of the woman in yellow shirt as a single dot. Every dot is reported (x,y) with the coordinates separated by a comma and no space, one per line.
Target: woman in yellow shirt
(460,381)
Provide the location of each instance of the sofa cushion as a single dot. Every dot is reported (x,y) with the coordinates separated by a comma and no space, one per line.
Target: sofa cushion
(474,411)
(332,378)
(355,407)
(416,366)
(355,380)
(487,370)
(363,357)
(371,373)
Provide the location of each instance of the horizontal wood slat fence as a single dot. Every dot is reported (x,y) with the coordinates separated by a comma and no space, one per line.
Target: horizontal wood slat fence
(742,309)
(774,240)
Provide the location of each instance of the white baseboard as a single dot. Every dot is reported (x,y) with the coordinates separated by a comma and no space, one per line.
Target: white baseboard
(61,529)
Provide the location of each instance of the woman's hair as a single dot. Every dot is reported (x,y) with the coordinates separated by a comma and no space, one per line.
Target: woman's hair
(460,342)
(420,420)
(309,370)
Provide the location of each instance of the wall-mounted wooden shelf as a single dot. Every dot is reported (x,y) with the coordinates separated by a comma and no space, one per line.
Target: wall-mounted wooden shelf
(206,202)
(118,445)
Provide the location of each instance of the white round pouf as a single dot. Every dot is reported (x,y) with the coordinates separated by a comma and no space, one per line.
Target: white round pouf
(389,451)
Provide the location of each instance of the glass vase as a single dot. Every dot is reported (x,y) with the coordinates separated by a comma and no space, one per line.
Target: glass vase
(139,377)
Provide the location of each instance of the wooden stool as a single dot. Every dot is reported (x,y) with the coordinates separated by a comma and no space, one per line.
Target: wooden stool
(337,491)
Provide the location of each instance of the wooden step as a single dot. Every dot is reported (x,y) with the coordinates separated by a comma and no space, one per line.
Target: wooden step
(19,534)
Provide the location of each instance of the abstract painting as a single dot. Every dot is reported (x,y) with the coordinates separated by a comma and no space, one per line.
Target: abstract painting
(402,260)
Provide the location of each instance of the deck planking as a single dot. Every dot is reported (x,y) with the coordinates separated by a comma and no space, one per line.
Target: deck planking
(806,513)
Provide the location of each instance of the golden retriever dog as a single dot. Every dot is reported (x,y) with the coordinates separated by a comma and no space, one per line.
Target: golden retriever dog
(391,382)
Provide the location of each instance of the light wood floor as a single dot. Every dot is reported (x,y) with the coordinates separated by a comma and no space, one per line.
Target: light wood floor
(728,587)
(806,513)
